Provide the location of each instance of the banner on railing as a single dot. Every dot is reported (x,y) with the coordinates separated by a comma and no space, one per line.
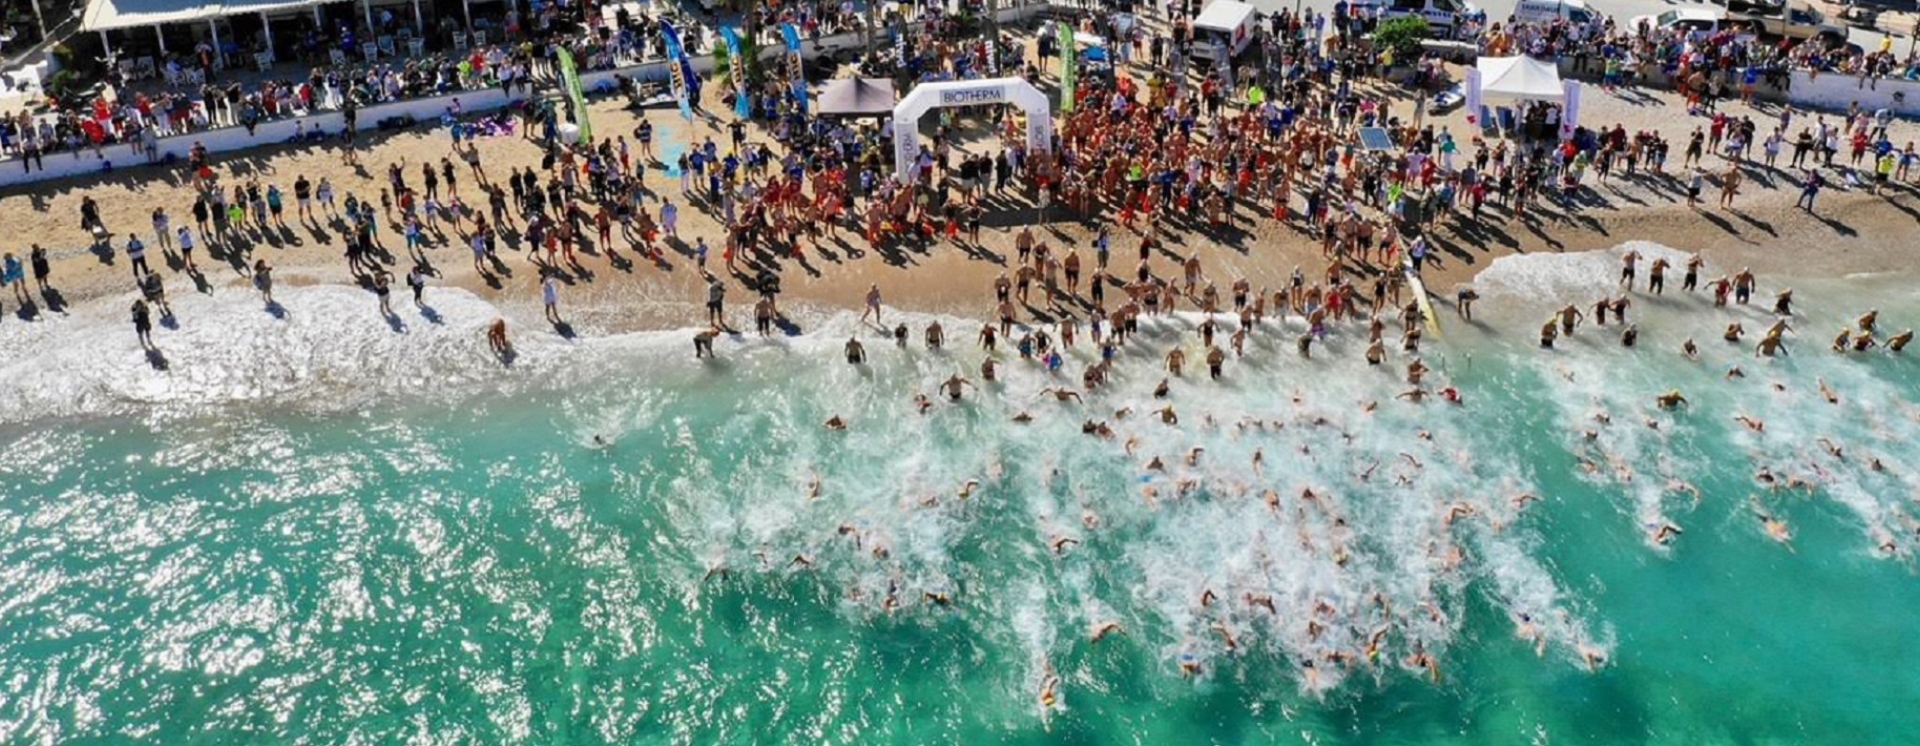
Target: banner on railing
(1069,64)
(678,72)
(796,65)
(737,70)
(570,78)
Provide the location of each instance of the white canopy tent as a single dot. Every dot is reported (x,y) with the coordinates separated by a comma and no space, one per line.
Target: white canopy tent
(1519,78)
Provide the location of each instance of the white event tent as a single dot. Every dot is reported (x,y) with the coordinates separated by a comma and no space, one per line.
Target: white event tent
(1519,78)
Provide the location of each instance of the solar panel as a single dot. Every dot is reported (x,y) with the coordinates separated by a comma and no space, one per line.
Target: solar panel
(1375,138)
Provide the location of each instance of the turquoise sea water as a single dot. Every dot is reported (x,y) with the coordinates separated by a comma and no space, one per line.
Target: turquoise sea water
(322,530)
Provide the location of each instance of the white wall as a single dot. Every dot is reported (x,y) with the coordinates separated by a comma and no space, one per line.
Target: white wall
(229,139)
(1835,91)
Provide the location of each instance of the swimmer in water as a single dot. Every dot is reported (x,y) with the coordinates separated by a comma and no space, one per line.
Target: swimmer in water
(1226,636)
(1840,342)
(1102,629)
(1734,332)
(1023,418)
(953,386)
(1593,657)
(1751,423)
(1168,416)
(1769,346)
(1160,390)
(1189,665)
(836,423)
(1062,394)
(1688,349)
(1867,320)
(1193,456)
(1670,400)
(1826,392)
(1570,317)
(1776,529)
(1664,534)
(1734,371)
(1899,341)
(1417,371)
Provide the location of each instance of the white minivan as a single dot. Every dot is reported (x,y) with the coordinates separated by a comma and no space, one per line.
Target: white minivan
(1547,11)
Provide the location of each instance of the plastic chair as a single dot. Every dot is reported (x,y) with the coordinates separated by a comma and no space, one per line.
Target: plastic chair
(416,47)
(263,62)
(460,41)
(479,38)
(339,57)
(386,46)
(371,50)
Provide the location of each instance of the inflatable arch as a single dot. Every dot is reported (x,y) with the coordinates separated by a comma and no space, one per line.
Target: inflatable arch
(926,96)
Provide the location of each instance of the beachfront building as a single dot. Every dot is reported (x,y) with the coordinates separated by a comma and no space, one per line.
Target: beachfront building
(174,38)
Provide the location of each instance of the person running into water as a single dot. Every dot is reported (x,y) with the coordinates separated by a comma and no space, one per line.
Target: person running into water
(550,297)
(143,324)
(263,280)
(497,338)
(873,304)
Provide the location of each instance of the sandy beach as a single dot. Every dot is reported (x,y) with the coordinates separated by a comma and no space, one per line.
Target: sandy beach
(1853,231)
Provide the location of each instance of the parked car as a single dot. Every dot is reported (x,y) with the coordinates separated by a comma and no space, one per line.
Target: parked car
(1690,20)
(1796,20)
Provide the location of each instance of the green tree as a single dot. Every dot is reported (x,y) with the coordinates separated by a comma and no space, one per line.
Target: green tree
(1402,36)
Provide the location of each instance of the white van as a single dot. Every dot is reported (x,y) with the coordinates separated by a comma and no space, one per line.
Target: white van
(1547,11)
(1225,25)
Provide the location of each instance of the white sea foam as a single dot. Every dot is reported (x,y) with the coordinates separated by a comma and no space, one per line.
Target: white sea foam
(1572,277)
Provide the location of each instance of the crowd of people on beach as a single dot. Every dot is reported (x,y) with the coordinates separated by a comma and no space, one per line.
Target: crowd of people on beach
(1150,163)
(1147,157)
